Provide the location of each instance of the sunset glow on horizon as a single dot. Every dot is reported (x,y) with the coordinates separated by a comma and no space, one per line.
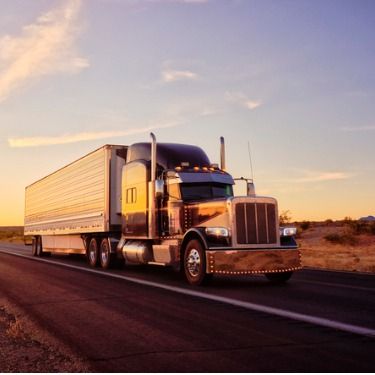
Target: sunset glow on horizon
(294,79)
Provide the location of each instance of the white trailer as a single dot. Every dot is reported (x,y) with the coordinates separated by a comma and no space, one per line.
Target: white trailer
(77,203)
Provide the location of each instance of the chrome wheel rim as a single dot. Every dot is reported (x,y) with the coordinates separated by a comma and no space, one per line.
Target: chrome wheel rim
(92,253)
(193,262)
(104,253)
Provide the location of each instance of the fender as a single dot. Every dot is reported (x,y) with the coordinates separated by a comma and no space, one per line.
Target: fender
(194,232)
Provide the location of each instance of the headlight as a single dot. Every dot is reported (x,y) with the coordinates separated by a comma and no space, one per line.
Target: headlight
(288,231)
(217,232)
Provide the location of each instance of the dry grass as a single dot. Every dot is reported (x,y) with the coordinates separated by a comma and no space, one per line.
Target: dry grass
(338,246)
(12,234)
(25,347)
(15,331)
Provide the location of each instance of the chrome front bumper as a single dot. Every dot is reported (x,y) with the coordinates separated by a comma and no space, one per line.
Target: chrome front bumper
(242,262)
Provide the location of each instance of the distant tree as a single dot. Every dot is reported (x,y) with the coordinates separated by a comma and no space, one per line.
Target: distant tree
(347,220)
(285,217)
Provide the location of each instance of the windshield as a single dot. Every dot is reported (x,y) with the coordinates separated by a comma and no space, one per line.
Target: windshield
(205,191)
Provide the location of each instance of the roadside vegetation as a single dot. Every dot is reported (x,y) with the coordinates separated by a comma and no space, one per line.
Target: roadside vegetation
(340,245)
(11,234)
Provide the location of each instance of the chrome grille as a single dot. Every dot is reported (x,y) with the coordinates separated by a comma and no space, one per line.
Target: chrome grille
(255,223)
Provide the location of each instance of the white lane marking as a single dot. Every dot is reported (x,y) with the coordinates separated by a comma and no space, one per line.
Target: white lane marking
(336,285)
(331,270)
(194,293)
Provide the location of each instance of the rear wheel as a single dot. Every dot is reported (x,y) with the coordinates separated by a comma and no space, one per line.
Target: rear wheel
(33,246)
(279,278)
(39,246)
(93,252)
(195,263)
(105,254)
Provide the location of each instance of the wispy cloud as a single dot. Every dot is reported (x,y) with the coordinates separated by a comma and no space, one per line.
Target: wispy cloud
(44,47)
(241,99)
(82,137)
(179,1)
(316,176)
(170,75)
(359,128)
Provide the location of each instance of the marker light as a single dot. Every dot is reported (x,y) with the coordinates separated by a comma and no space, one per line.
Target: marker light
(288,231)
(196,168)
(178,168)
(217,231)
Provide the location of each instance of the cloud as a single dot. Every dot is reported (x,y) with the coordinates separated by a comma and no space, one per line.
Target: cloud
(179,1)
(82,137)
(45,47)
(313,176)
(359,128)
(178,75)
(242,100)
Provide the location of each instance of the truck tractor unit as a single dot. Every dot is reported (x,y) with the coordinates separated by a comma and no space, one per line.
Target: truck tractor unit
(160,204)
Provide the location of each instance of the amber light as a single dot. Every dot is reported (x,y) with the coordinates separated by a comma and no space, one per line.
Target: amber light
(178,168)
(196,168)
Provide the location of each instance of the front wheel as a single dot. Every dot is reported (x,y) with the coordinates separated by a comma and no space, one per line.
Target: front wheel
(279,278)
(195,263)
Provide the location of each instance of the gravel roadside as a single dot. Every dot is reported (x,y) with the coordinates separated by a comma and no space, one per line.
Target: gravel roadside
(25,348)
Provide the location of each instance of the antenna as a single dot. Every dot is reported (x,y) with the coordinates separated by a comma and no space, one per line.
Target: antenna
(251,163)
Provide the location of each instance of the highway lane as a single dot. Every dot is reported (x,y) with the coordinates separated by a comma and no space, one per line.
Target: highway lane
(118,325)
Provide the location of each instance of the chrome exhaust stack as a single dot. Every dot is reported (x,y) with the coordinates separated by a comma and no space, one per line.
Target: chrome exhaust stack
(151,194)
(222,154)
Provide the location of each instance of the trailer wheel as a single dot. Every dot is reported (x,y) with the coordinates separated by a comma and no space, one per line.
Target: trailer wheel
(279,278)
(105,254)
(33,247)
(195,263)
(39,247)
(93,252)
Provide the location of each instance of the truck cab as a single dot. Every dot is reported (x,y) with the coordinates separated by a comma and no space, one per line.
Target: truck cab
(178,209)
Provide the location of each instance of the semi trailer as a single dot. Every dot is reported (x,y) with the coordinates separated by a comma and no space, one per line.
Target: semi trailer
(161,204)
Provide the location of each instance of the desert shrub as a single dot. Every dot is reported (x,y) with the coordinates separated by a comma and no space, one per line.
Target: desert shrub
(343,239)
(359,227)
(347,220)
(328,222)
(285,217)
(305,225)
(371,228)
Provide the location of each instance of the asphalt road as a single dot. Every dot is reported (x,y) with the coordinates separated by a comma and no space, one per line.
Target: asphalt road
(144,319)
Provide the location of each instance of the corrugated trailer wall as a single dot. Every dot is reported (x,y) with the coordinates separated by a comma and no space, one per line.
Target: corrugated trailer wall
(77,198)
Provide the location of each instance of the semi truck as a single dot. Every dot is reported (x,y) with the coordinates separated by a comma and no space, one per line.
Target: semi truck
(162,204)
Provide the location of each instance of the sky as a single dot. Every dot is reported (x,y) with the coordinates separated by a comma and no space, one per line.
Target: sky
(292,79)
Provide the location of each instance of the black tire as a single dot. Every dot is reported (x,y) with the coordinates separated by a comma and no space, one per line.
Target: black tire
(39,247)
(93,252)
(33,246)
(105,256)
(195,263)
(279,278)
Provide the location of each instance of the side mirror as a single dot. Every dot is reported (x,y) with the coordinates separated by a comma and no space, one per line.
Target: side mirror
(159,188)
(250,189)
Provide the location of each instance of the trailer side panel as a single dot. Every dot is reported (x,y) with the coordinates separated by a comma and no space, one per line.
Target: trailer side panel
(74,199)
